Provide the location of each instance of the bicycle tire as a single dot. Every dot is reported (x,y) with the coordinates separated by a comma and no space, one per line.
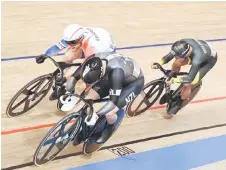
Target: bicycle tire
(192,96)
(131,113)
(9,111)
(75,127)
(92,140)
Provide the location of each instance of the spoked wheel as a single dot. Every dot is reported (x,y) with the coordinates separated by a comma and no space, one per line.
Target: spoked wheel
(90,146)
(29,96)
(149,95)
(57,138)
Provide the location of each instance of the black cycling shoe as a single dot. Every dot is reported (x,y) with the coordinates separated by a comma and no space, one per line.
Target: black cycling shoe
(164,99)
(54,94)
(176,106)
(78,139)
(106,134)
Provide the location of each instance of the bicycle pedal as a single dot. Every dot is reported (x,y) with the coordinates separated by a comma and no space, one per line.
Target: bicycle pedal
(164,99)
(77,139)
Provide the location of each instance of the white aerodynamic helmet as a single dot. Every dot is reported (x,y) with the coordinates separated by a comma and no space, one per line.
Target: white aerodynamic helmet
(73,32)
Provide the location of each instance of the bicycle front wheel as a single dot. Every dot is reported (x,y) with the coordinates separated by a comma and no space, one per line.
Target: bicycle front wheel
(149,95)
(57,139)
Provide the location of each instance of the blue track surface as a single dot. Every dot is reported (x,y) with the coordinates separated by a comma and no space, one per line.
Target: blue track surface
(178,157)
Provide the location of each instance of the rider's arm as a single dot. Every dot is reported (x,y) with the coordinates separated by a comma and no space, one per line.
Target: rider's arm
(192,77)
(73,79)
(55,49)
(167,58)
(116,77)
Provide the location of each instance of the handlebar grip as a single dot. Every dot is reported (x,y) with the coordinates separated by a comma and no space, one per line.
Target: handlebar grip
(161,68)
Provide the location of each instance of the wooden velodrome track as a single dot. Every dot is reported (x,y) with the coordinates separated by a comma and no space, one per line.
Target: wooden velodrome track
(29,28)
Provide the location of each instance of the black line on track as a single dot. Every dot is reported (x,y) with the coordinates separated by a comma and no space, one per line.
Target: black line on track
(121,144)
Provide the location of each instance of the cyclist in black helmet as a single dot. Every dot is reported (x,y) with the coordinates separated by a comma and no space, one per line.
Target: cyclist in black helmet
(197,53)
(120,78)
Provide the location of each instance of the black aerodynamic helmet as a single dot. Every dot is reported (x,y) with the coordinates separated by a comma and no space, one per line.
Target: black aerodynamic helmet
(180,48)
(92,70)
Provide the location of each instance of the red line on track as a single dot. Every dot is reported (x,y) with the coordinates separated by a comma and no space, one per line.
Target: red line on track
(52,124)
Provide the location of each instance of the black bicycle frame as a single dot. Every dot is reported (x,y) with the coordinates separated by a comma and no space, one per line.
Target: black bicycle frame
(58,74)
(167,76)
(86,130)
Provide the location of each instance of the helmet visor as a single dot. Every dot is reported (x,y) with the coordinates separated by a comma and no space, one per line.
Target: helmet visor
(73,42)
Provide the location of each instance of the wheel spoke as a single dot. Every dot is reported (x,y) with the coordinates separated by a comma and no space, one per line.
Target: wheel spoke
(18,104)
(139,105)
(49,149)
(154,92)
(26,106)
(52,140)
(37,83)
(42,90)
(143,94)
(26,92)
(40,83)
(149,91)
(62,129)
(147,102)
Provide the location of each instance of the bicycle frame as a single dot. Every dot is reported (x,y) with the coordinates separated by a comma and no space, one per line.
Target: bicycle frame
(86,130)
(58,74)
(167,76)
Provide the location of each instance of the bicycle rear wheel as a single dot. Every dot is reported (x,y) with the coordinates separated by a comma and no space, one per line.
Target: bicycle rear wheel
(171,110)
(152,91)
(29,95)
(90,146)
(57,139)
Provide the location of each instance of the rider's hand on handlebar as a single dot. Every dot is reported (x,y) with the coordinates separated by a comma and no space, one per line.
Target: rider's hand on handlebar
(40,58)
(154,66)
(93,119)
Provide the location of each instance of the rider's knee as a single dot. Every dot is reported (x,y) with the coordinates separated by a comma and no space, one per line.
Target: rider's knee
(111,116)
(186,91)
(188,85)
(93,95)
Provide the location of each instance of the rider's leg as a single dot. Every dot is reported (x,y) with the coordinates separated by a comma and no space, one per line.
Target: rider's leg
(92,94)
(186,90)
(127,95)
(99,90)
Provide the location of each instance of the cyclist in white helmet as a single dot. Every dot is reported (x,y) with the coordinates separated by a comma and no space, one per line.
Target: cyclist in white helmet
(80,42)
